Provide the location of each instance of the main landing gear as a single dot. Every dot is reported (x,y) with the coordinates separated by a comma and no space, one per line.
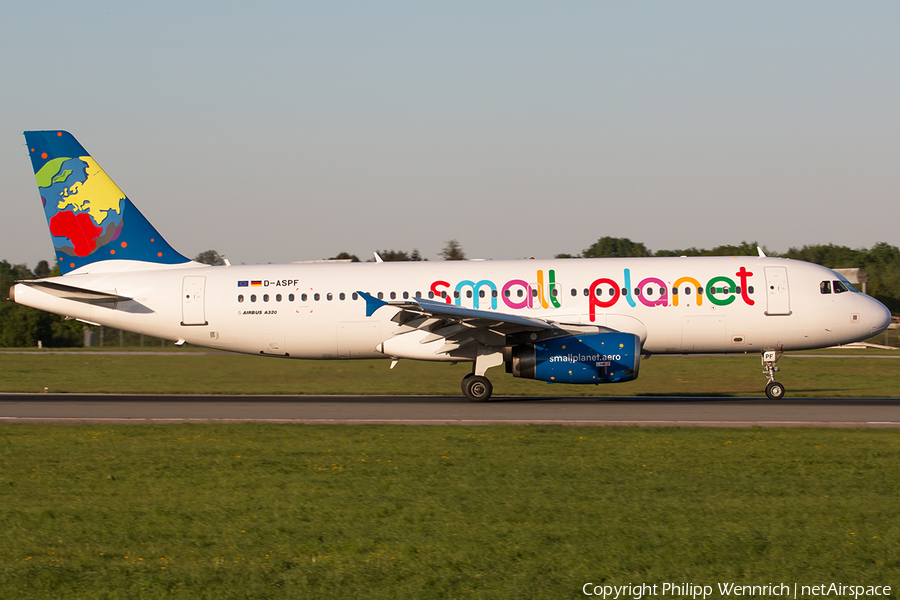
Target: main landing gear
(476,388)
(475,385)
(774,390)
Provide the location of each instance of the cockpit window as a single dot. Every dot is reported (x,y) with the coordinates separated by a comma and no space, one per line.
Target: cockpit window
(825,287)
(847,286)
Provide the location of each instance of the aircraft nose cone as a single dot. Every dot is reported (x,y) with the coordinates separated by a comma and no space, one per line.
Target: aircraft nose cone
(881,317)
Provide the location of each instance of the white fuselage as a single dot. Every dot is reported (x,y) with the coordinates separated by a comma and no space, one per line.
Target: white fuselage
(309,311)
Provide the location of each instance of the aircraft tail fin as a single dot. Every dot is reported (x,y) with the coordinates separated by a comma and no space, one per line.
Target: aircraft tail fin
(90,218)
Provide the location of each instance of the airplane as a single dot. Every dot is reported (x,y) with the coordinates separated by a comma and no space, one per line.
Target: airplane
(575,321)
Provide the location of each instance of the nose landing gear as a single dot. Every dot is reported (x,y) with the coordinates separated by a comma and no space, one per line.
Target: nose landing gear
(774,390)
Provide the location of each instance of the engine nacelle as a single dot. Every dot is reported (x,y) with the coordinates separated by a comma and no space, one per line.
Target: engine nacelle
(593,358)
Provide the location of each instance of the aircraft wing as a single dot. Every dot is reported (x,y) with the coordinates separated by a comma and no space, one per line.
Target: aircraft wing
(460,326)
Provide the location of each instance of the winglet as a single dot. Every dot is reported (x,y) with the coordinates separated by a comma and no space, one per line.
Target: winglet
(372,303)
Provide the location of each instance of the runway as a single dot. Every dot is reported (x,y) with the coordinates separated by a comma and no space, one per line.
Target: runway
(669,411)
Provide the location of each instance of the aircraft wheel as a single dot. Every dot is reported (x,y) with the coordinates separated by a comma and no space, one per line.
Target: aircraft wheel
(775,391)
(477,388)
(462,384)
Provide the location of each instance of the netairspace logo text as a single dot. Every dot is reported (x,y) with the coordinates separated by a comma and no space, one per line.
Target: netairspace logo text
(774,590)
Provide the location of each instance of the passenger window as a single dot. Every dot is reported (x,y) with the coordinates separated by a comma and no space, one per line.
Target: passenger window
(303,297)
(252,297)
(612,291)
(443,294)
(355,296)
(624,291)
(329,296)
(265,297)
(637,291)
(316,296)
(277,297)
(574,292)
(481,293)
(430,295)
(290,297)
(749,289)
(520,293)
(554,292)
(468,293)
(506,293)
(456,293)
(406,295)
(598,291)
(418,294)
(534,292)
(240,297)
(343,296)
(674,291)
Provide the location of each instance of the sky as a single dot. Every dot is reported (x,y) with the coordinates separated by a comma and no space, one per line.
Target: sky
(287,131)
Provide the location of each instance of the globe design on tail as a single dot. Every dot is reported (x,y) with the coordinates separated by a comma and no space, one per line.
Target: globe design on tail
(90,218)
(83,206)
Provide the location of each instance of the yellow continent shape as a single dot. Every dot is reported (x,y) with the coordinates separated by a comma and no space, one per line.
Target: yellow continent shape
(97,195)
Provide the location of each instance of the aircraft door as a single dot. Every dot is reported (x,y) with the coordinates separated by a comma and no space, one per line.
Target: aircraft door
(778,299)
(192,304)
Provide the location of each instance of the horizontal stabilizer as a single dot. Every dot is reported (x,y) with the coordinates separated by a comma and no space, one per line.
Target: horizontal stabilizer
(68,292)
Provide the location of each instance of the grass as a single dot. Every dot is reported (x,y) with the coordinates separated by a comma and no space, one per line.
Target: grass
(267,511)
(185,372)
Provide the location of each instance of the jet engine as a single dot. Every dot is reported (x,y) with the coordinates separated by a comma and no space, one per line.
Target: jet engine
(593,358)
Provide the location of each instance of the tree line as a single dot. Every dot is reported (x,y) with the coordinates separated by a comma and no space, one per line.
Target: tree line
(452,251)
(22,326)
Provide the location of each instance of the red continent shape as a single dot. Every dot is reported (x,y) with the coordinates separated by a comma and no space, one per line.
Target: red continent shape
(78,228)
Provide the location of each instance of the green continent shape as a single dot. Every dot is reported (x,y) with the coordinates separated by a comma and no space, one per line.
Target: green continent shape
(97,194)
(62,176)
(49,170)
